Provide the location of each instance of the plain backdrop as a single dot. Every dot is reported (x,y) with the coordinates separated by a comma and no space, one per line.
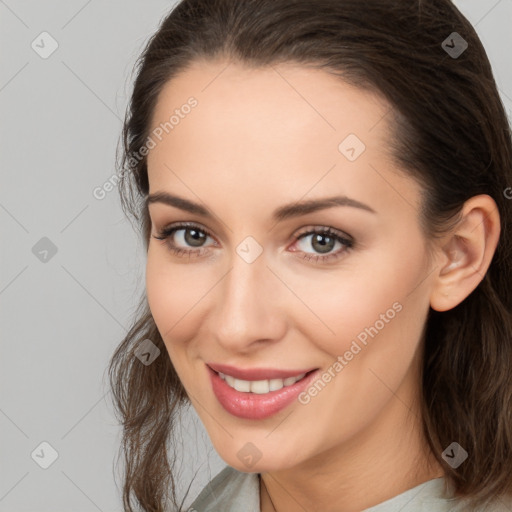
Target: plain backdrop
(72,267)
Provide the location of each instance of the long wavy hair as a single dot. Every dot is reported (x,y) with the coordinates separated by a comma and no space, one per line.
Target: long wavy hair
(450,133)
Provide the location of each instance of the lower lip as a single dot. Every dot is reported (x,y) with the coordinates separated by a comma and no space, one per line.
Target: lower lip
(253,406)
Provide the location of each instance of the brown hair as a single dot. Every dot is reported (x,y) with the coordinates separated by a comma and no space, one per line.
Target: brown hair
(450,132)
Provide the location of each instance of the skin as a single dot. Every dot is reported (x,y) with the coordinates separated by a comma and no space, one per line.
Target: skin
(259,139)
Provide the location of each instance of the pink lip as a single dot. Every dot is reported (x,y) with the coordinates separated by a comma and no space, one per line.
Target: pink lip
(256,373)
(253,406)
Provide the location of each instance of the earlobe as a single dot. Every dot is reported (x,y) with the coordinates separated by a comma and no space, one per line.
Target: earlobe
(466,253)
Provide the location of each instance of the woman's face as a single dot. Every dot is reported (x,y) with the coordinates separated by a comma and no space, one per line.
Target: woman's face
(259,283)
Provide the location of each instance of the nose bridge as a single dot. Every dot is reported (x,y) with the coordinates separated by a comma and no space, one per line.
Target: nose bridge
(247,308)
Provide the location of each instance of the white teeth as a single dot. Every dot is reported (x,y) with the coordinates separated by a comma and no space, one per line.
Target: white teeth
(275,384)
(242,385)
(259,387)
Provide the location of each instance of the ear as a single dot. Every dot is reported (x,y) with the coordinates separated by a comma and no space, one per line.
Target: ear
(464,255)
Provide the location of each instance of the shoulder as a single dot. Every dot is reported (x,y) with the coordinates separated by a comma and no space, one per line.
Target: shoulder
(229,491)
(436,495)
(499,504)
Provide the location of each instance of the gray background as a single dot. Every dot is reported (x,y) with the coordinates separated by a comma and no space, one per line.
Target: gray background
(61,318)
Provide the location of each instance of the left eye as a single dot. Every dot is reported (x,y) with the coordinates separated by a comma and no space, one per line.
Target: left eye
(323,241)
(191,239)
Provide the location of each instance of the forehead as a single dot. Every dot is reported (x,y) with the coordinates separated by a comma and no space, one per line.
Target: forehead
(287,128)
(277,96)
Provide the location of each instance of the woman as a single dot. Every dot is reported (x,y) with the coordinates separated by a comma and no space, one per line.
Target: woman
(321,188)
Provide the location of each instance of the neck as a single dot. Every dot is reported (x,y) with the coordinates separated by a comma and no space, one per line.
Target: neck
(358,474)
(293,491)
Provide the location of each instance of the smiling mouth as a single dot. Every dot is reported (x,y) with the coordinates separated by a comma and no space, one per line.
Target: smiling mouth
(260,387)
(257,374)
(262,398)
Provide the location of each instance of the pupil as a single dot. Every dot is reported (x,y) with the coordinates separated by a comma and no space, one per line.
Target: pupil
(196,239)
(323,246)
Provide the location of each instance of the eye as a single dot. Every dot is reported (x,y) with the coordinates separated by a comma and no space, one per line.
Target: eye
(323,240)
(191,234)
(187,238)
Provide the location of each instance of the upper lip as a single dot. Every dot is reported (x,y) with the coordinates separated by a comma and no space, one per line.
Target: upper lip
(256,373)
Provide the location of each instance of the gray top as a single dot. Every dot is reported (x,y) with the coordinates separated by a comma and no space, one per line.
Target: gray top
(234,491)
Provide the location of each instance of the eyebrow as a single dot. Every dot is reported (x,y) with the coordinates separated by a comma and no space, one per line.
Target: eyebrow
(282,213)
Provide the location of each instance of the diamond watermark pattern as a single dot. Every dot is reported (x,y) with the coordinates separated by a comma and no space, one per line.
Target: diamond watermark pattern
(44,455)
(454,45)
(44,250)
(249,454)
(44,45)
(352,147)
(249,249)
(147,352)
(455,455)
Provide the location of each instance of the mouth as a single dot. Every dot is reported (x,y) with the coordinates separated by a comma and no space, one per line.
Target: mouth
(256,374)
(260,387)
(258,399)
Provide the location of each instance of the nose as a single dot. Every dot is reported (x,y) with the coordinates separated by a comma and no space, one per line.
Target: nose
(249,306)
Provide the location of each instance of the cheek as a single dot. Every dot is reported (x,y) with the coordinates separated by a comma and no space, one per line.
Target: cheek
(173,295)
(173,291)
(383,296)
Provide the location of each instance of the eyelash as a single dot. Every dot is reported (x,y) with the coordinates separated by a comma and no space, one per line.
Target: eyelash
(165,234)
